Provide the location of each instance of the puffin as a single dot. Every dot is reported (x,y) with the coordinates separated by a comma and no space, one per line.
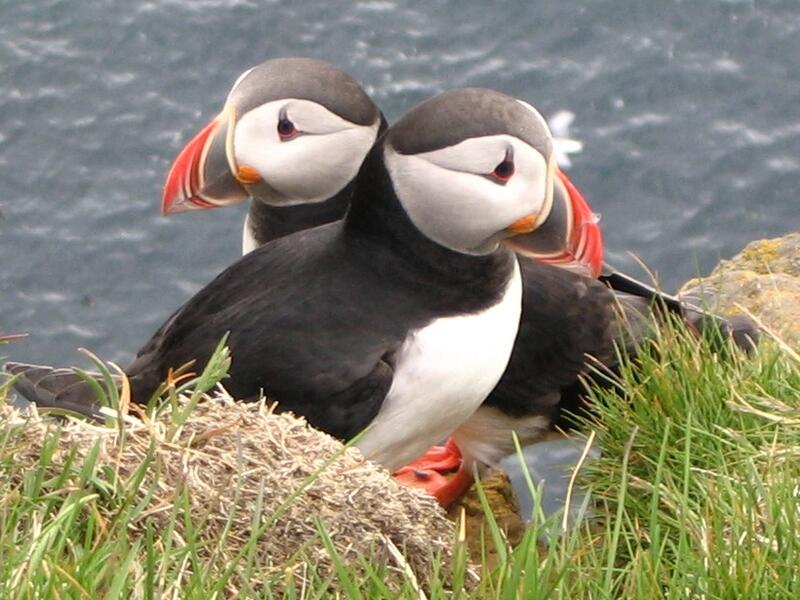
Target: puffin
(393,324)
(242,154)
(245,151)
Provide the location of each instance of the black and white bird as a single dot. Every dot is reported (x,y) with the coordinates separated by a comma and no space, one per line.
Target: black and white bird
(399,319)
(292,135)
(333,123)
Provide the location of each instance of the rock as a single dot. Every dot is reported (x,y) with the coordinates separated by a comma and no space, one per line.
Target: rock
(764,278)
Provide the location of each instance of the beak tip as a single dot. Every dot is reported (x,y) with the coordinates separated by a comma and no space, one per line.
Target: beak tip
(175,205)
(184,180)
(171,201)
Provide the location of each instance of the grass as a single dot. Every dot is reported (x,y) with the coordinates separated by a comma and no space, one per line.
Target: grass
(697,495)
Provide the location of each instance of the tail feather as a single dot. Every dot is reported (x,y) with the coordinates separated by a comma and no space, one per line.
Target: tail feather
(49,387)
(740,329)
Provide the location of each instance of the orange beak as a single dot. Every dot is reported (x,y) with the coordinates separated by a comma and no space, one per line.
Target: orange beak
(570,236)
(201,175)
(586,241)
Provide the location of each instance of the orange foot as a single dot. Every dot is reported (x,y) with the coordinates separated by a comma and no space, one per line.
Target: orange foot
(428,473)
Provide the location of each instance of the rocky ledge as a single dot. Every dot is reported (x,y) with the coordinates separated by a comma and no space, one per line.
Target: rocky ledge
(764,279)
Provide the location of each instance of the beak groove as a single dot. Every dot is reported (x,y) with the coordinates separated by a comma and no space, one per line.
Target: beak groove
(181,189)
(204,173)
(586,238)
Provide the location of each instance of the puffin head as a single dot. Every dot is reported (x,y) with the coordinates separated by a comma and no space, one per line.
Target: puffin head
(292,131)
(471,168)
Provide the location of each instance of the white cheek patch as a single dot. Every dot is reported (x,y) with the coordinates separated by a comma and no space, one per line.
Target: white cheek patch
(313,118)
(456,209)
(311,167)
(256,135)
(475,155)
(464,210)
(534,180)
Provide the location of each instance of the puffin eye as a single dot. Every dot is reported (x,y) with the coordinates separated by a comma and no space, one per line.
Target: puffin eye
(286,129)
(504,171)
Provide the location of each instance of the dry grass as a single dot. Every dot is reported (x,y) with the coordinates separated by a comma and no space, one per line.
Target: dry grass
(259,485)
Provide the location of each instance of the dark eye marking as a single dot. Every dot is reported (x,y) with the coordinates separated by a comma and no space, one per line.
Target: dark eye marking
(286,129)
(504,170)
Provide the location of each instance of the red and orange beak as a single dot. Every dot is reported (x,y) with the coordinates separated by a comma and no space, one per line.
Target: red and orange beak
(202,175)
(570,236)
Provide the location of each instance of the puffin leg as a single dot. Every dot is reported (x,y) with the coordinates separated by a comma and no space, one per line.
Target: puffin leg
(428,473)
(442,459)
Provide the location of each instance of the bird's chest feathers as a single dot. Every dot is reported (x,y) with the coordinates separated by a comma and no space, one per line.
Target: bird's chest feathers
(460,356)
(443,372)
(249,242)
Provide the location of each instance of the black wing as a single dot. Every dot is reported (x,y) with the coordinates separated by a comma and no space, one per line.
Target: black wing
(565,317)
(305,328)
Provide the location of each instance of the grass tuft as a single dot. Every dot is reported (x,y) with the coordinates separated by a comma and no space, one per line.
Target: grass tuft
(696,495)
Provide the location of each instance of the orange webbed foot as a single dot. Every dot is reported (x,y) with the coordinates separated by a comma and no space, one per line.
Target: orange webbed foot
(429,470)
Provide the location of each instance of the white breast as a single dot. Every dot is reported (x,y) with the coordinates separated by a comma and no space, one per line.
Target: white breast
(248,240)
(443,373)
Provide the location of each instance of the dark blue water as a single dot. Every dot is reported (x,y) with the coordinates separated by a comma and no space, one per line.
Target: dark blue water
(689,113)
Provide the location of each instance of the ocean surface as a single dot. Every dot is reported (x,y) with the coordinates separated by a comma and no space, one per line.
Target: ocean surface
(689,115)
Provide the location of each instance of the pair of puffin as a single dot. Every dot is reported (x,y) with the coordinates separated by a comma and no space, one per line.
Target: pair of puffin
(564,318)
(402,318)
